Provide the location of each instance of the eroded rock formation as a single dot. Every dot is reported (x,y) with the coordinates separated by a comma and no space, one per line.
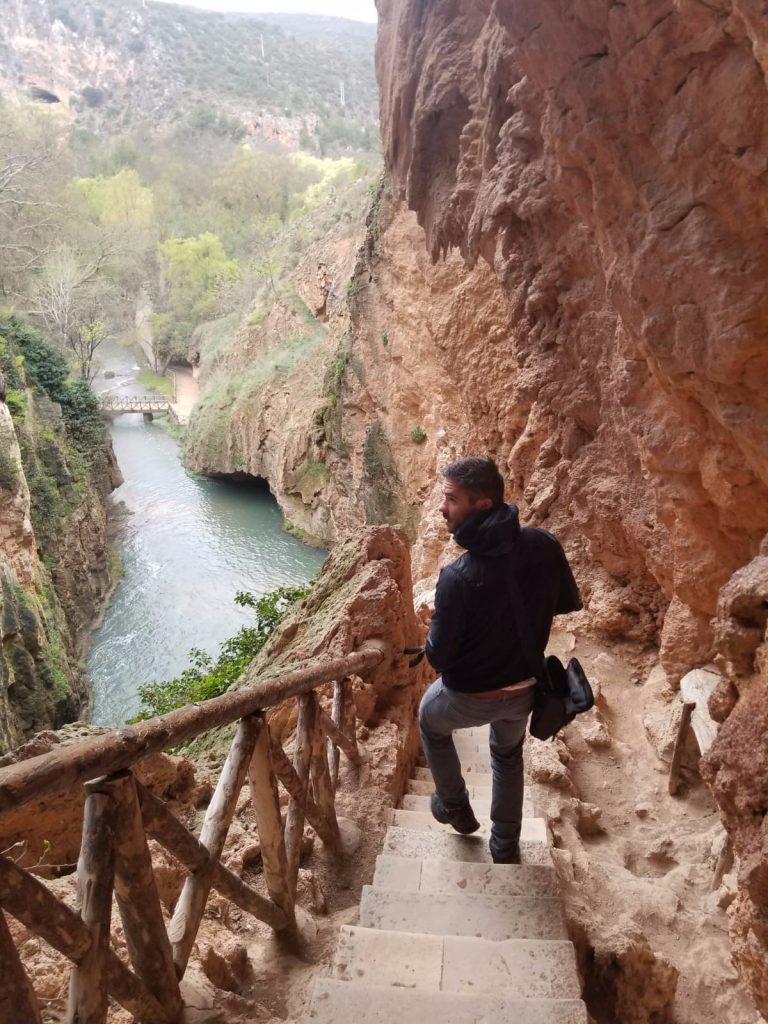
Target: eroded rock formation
(594,157)
(53,582)
(589,154)
(736,766)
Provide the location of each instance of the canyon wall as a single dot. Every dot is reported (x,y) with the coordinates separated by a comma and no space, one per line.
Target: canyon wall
(591,155)
(55,568)
(607,163)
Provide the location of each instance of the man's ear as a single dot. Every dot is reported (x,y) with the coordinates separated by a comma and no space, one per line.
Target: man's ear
(483,504)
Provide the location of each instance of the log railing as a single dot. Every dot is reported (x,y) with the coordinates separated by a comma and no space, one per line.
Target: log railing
(120,814)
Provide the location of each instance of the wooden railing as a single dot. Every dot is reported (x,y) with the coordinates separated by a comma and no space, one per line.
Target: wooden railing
(133,403)
(120,814)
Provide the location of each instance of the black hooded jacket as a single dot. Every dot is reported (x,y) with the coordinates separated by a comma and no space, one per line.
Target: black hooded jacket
(473,641)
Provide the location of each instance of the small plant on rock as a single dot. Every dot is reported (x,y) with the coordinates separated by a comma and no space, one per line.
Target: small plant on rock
(418,436)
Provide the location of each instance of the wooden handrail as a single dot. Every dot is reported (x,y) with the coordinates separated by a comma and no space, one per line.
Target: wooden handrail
(63,769)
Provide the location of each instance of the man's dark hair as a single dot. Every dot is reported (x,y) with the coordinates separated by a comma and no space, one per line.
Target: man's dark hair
(480,478)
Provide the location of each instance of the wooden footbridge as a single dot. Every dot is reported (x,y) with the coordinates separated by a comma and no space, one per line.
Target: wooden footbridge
(120,814)
(150,405)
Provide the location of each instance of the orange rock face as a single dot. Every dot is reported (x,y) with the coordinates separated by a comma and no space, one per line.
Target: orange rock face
(608,162)
(736,766)
(593,155)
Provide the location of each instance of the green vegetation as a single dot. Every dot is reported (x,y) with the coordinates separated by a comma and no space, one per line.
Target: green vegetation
(61,457)
(312,469)
(29,360)
(9,473)
(418,436)
(381,476)
(206,677)
(156,382)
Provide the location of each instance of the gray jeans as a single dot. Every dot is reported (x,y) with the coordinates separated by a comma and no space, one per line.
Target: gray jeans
(443,710)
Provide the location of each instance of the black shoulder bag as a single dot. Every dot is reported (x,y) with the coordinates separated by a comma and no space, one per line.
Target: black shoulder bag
(561,692)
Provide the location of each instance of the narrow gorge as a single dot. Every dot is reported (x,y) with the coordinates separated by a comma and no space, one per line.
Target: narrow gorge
(562,265)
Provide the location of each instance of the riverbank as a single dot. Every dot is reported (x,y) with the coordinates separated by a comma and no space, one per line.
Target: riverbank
(188,545)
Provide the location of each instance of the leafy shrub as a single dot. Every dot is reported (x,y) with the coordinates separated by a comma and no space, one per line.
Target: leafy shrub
(9,472)
(16,402)
(85,427)
(206,678)
(418,436)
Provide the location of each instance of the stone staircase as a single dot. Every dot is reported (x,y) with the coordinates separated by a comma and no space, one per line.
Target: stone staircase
(445,934)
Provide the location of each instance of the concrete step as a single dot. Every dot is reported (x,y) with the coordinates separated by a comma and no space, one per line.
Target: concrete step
(480,805)
(425,787)
(344,1002)
(449,845)
(475,776)
(460,913)
(472,761)
(533,829)
(530,968)
(429,875)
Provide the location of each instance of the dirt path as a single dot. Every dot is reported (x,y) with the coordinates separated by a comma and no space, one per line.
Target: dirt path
(642,861)
(187,393)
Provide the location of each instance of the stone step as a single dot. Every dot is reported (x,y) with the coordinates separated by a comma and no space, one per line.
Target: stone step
(406,874)
(530,968)
(475,730)
(472,762)
(480,805)
(449,845)
(479,776)
(459,913)
(533,829)
(425,787)
(344,1002)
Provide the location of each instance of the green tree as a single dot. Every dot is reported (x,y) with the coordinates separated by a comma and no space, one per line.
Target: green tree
(193,273)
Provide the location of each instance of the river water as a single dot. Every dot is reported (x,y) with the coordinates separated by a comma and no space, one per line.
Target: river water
(187,545)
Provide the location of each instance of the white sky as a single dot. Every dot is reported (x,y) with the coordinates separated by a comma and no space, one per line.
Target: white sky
(359,10)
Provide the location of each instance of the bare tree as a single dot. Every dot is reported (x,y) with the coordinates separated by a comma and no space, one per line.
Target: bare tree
(28,175)
(63,288)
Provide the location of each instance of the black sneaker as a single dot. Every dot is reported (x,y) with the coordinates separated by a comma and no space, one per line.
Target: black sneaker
(511,857)
(463,819)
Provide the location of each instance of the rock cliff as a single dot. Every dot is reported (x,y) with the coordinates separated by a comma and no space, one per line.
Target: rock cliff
(55,567)
(590,156)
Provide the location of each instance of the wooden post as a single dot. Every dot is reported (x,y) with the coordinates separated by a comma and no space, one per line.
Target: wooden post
(323,786)
(335,734)
(677,753)
(266,807)
(18,1003)
(179,841)
(95,871)
(337,714)
(191,905)
(286,773)
(294,825)
(33,903)
(138,899)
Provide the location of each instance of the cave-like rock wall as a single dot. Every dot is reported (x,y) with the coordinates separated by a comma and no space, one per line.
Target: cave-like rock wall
(608,161)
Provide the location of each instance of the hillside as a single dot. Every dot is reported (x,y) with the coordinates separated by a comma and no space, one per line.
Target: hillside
(113,66)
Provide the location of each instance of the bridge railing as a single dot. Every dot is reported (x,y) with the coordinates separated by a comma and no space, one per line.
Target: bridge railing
(120,813)
(135,403)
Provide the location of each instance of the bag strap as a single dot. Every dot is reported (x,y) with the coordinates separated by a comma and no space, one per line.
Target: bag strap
(533,656)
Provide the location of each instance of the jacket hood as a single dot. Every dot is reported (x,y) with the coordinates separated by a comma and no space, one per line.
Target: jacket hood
(489,534)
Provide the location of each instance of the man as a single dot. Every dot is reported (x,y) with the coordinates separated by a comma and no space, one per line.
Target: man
(474,643)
